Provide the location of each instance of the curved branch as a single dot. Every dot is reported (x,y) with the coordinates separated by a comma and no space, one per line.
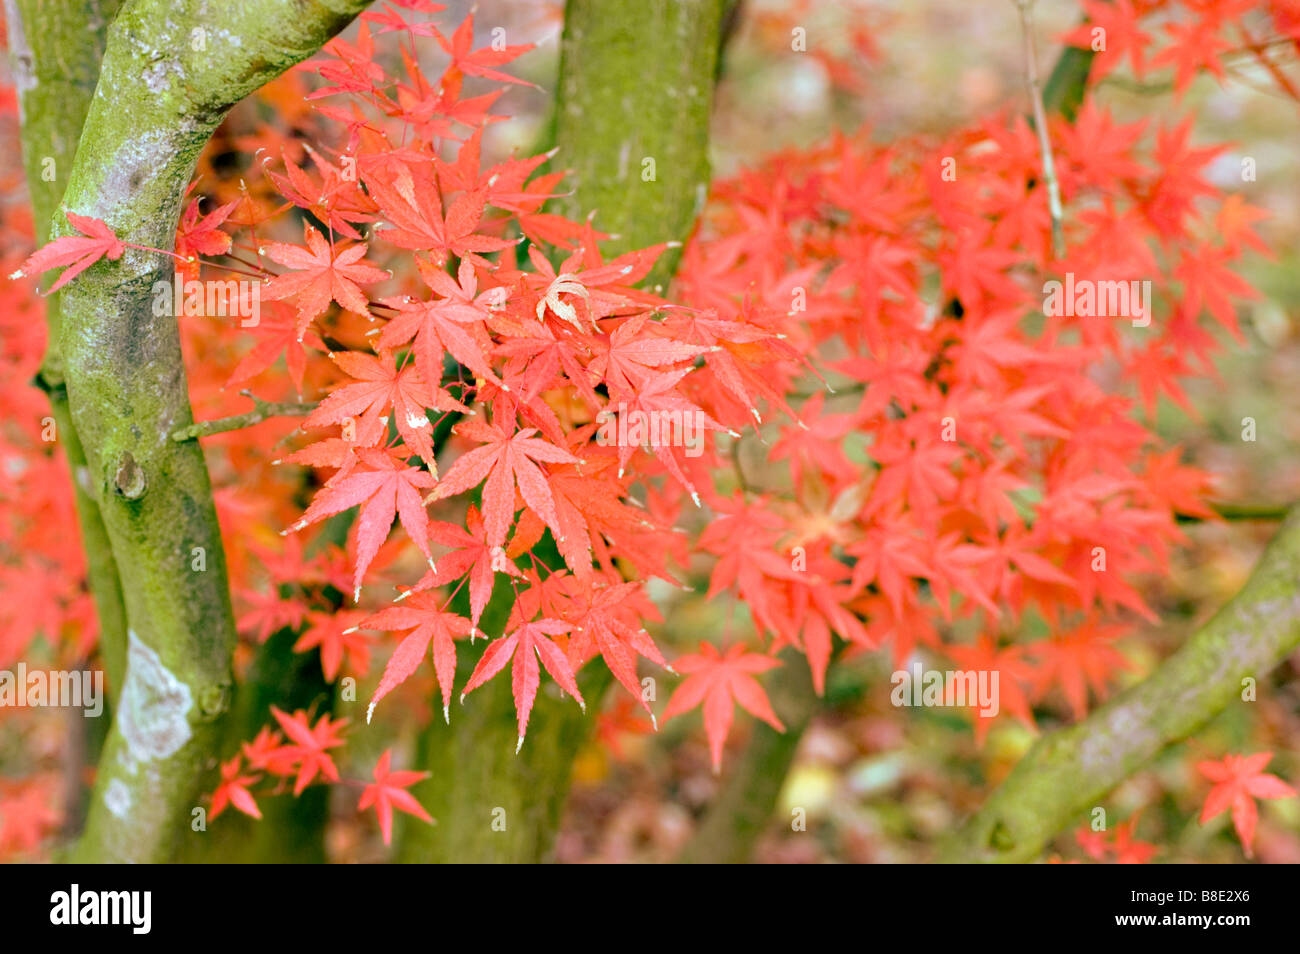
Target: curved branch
(171,70)
(1067,771)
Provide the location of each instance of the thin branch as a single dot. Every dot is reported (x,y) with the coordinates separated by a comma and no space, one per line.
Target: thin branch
(262,410)
(1231,511)
(1267,62)
(1026,8)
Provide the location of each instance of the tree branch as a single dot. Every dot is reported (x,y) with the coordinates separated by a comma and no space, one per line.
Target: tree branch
(1026,8)
(171,70)
(1067,771)
(262,410)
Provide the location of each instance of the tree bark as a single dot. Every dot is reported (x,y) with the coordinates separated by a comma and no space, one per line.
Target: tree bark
(170,72)
(632,118)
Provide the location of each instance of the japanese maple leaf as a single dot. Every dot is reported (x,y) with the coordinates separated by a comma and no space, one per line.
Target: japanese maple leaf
(1127,849)
(718,680)
(311,745)
(1193,47)
(278,332)
(1079,659)
(269,753)
(472,555)
(388,791)
(505,459)
(635,350)
(336,200)
(599,627)
(1014,674)
(380,384)
(233,790)
(660,398)
(384,487)
(1239,780)
(202,236)
(1118,22)
(410,201)
(78,252)
(446,324)
(587,507)
(526,645)
(423,615)
(471,62)
(320,276)
(268,612)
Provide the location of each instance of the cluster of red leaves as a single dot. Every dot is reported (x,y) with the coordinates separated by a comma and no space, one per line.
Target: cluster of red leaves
(302,753)
(1003,478)
(1119,845)
(1191,37)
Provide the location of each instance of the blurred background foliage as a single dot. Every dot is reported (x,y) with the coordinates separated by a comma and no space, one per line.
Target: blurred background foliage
(878,783)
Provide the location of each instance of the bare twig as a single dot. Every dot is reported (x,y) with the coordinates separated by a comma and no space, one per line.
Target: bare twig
(260,412)
(1026,8)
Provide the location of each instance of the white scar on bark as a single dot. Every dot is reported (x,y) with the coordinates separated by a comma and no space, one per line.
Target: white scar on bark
(154,707)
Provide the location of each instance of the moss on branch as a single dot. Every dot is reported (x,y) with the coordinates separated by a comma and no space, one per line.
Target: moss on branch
(171,70)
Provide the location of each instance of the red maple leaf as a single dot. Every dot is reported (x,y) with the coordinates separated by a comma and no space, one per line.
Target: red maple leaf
(78,252)
(388,791)
(381,385)
(527,644)
(505,459)
(311,745)
(233,790)
(423,615)
(337,637)
(321,274)
(471,555)
(718,681)
(1239,780)
(385,487)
